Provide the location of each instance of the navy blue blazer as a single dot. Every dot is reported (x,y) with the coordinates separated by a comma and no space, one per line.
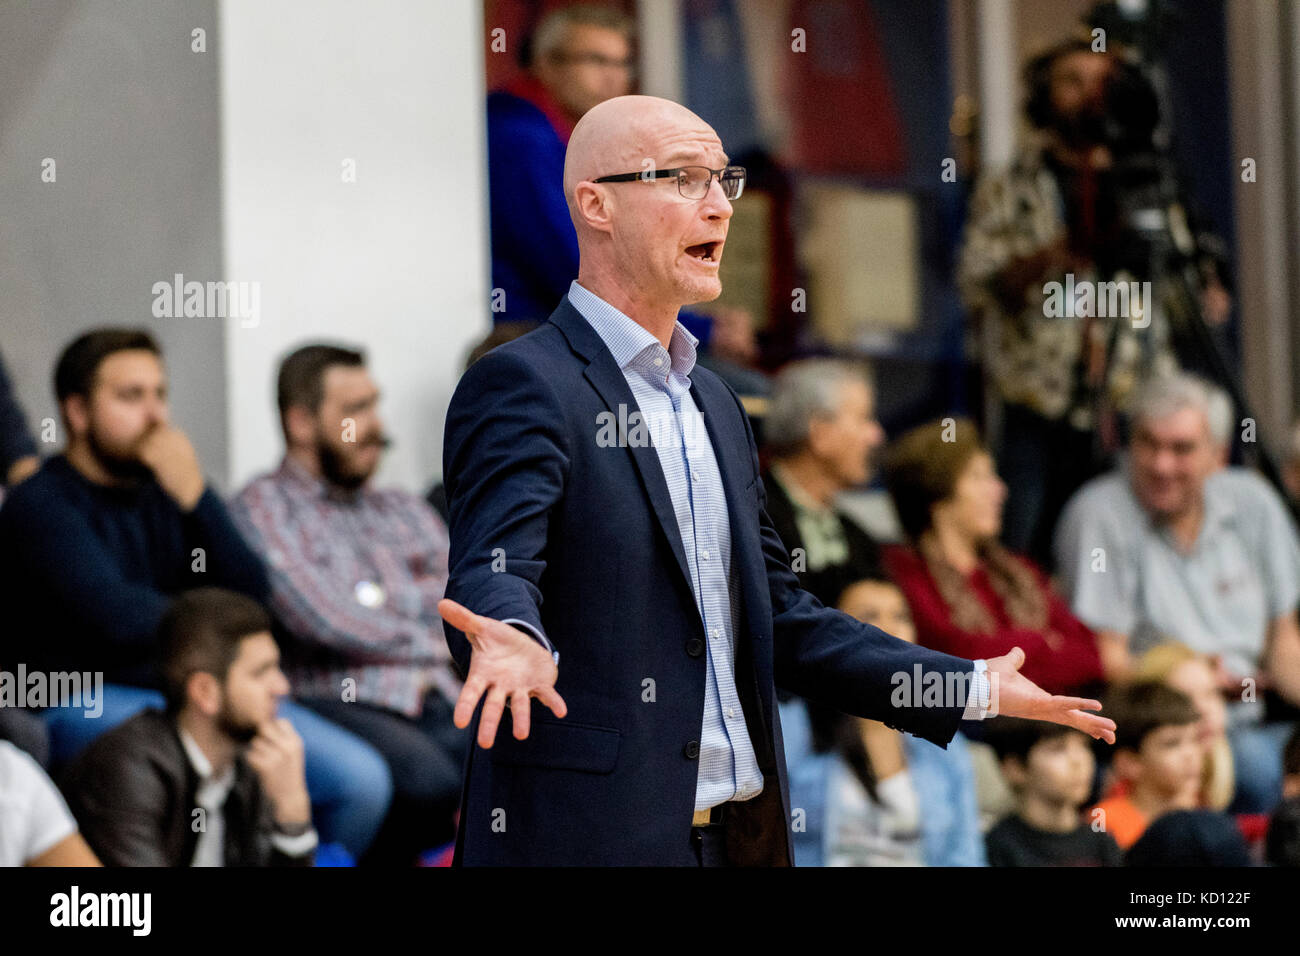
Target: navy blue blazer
(581,541)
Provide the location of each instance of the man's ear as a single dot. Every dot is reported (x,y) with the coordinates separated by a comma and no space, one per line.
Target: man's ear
(203,692)
(820,441)
(593,204)
(76,411)
(300,424)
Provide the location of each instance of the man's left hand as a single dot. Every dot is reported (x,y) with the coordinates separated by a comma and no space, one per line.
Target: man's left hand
(1014,695)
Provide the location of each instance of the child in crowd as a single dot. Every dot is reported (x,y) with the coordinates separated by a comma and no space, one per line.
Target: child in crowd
(891,799)
(1157,757)
(1050,767)
(1196,675)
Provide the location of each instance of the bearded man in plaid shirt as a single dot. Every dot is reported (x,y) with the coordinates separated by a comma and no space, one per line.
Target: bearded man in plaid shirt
(356,576)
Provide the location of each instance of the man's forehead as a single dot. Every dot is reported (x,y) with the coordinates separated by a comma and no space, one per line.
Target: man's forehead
(348,378)
(1186,423)
(130,364)
(671,147)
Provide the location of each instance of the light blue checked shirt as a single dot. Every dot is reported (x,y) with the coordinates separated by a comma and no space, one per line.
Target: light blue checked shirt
(660,382)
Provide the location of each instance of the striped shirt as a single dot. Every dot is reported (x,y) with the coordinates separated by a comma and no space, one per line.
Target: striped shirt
(357,575)
(660,382)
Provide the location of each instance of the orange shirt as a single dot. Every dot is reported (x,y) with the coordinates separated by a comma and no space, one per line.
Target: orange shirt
(1122,820)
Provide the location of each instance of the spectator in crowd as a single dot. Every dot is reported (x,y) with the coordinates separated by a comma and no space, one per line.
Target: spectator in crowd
(1282,845)
(822,430)
(892,798)
(1173,545)
(1190,838)
(1196,675)
(95,545)
(36,828)
(968,594)
(217,778)
(356,576)
(577,57)
(1050,768)
(1157,756)
(1060,209)
(18,459)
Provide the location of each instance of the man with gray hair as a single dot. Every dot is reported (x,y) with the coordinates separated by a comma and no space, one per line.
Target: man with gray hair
(821,428)
(1175,546)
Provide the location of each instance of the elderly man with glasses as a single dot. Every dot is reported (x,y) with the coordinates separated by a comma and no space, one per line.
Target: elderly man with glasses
(611,556)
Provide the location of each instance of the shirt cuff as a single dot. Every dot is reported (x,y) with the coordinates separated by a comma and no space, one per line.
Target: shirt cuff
(537,635)
(295,846)
(977,703)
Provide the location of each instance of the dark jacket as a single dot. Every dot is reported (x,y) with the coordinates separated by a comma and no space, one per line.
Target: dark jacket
(828,583)
(133,794)
(593,559)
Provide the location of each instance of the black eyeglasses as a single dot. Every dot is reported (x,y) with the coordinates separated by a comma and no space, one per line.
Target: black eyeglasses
(693,182)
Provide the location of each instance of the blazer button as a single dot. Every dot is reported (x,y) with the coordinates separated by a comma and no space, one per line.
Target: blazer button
(692,750)
(695,647)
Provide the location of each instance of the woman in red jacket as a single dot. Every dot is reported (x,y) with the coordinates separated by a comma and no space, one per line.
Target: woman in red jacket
(968,594)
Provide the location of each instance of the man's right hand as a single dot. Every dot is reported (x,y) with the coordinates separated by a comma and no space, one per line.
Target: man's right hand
(167,452)
(505,664)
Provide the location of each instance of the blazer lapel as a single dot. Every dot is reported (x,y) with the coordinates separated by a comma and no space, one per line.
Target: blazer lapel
(607,378)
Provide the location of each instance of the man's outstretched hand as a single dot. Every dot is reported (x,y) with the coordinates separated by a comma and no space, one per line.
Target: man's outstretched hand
(1014,695)
(505,664)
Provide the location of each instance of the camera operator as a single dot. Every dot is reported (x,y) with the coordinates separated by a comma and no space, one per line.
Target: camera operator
(1070,204)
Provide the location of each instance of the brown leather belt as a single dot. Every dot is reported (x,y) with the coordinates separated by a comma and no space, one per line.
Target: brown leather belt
(711,817)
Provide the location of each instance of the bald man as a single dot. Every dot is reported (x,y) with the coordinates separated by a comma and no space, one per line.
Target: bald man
(615,580)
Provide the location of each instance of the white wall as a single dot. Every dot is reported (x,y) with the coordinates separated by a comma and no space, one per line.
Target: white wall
(395,261)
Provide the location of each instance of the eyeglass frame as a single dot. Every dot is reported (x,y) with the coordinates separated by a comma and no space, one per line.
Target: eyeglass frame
(646,175)
(586,58)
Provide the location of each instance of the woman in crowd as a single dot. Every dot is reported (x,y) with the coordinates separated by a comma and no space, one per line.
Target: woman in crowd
(970,596)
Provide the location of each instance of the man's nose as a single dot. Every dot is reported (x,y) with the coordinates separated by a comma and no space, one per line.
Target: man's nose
(716,203)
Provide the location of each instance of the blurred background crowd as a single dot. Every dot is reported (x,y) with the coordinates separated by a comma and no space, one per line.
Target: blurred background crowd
(1010,297)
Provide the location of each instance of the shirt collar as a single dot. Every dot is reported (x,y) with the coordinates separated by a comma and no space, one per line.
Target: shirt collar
(293,472)
(632,344)
(218,785)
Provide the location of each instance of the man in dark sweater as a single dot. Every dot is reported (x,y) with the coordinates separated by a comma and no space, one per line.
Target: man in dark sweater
(97,542)
(95,545)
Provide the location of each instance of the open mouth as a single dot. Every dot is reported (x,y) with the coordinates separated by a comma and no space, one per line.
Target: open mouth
(705,251)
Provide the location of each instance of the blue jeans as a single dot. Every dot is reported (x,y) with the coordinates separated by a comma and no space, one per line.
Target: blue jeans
(1257,765)
(349,782)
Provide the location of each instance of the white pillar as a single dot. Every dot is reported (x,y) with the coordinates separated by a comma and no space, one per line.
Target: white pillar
(394,261)
(1266,255)
(659,40)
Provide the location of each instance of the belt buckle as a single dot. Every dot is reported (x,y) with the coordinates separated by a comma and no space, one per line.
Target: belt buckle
(711,817)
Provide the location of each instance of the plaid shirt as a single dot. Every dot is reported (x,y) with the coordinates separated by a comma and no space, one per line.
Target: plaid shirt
(356,576)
